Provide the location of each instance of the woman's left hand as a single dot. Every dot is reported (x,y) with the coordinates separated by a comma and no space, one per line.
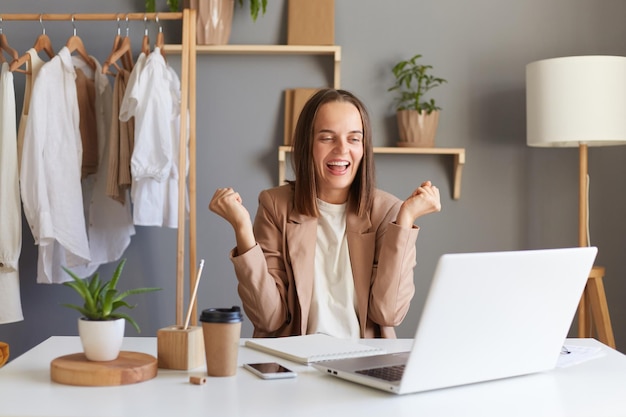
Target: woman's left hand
(424,200)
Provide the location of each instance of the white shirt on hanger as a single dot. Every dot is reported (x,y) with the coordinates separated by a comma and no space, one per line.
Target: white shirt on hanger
(129,102)
(151,97)
(10,206)
(51,170)
(170,217)
(32,69)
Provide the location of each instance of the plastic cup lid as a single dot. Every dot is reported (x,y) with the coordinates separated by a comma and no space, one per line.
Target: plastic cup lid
(221,315)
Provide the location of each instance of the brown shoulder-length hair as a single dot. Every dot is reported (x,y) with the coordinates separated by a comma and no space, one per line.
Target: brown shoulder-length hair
(305,186)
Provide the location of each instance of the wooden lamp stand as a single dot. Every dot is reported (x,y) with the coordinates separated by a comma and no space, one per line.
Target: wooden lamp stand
(593,303)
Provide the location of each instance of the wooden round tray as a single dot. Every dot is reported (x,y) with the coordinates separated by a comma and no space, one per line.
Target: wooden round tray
(128,368)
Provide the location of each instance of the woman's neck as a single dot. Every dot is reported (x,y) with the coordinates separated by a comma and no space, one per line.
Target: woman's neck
(334,196)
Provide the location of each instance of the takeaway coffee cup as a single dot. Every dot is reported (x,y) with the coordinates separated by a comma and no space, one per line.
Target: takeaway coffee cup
(221,328)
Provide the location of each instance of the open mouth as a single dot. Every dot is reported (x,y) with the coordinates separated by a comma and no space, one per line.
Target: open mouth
(338,166)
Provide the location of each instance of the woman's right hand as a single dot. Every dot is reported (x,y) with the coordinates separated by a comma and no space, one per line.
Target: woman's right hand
(424,200)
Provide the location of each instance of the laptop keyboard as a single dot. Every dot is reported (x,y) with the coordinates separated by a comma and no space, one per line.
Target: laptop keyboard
(387,373)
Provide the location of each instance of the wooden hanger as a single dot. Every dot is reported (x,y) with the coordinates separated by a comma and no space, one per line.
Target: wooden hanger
(121,51)
(145,44)
(160,39)
(75,44)
(4,45)
(127,57)
(42,43)
(116,44)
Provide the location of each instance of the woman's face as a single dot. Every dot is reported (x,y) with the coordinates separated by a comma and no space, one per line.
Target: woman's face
(337,150)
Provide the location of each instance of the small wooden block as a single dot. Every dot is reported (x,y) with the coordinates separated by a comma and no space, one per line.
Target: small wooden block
(197,380)
(128,368)
(295,99)
(311,22)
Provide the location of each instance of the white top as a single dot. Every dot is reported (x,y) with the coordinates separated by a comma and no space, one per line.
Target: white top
(333,306)
(128,106)
(10,205)
(592,388)
(152,153)
(152,96)
(51,169)
(32,69)
(170,216)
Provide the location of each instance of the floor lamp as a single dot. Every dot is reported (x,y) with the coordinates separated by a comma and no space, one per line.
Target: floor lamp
(579,101)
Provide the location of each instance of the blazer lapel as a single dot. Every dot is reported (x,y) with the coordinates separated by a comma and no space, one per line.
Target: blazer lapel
(361,245)
(301,234)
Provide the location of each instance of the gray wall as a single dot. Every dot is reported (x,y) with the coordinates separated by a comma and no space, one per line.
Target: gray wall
(513,197)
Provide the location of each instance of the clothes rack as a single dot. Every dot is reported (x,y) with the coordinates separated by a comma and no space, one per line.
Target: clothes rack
(188,106)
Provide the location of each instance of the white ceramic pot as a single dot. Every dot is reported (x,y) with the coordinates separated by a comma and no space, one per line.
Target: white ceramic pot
(102,340)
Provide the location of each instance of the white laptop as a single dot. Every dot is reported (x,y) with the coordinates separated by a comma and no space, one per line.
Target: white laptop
(487,316)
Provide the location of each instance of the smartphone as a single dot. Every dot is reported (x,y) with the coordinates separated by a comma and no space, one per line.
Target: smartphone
(269,370)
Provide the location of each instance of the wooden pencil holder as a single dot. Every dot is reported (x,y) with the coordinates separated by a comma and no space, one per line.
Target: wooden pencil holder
(179,348)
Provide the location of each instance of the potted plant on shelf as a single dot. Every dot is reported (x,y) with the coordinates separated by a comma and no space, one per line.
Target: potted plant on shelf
(417,117)
(101,326)
(215,17)
(256,6)
(172,5)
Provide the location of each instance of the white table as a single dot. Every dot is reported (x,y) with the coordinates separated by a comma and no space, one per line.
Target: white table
(593,388)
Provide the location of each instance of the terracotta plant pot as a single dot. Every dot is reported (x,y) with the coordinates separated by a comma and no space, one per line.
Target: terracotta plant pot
(215,19)
(417,129)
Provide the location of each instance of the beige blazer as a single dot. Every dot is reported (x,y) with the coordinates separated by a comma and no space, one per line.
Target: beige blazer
(276,276)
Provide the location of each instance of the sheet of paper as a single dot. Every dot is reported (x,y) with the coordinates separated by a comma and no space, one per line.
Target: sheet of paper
(573,355)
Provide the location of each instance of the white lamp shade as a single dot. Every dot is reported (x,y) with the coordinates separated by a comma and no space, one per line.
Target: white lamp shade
(576,100)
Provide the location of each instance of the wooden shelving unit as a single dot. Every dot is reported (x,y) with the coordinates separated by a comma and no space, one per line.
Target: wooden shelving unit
(331,50)
(457,153)
(334,51)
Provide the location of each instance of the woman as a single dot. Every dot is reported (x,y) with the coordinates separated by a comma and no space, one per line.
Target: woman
(328,252)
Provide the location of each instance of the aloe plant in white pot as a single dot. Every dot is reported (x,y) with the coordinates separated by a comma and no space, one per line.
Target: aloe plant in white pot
(101,326)
(418,118)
